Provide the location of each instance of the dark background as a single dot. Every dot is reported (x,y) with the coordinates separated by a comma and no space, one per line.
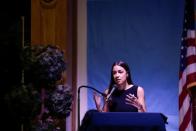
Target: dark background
(11,13)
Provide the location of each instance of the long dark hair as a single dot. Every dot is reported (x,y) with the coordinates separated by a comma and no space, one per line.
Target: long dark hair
(126,67)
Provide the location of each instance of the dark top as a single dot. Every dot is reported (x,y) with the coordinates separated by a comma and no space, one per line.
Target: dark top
(117,102)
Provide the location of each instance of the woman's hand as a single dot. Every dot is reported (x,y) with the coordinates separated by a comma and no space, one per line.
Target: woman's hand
(97,99)
(132,100)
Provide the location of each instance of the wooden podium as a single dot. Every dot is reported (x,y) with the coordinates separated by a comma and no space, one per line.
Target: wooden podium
(126,121)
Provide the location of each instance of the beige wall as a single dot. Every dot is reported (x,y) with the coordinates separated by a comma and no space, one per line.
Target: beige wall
(82,54)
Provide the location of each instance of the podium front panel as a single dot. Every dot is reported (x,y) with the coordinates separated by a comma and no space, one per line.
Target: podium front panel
(126,121)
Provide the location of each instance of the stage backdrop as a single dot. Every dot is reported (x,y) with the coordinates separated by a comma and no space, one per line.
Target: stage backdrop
(144,33)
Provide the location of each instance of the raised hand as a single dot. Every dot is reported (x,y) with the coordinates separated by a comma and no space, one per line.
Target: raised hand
(97,99)
(132,100)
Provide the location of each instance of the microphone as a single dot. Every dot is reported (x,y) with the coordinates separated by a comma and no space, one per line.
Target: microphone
(109,95)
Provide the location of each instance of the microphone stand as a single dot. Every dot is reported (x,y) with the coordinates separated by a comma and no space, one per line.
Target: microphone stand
(83,86)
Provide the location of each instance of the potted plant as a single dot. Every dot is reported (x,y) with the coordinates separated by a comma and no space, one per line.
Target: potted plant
(42,100)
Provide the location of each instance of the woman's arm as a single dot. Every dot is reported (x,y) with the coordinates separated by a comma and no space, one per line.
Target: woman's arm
(141,100)
(97,99)
(105,104)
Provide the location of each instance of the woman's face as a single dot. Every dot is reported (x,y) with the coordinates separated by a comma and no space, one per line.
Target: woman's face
(119,75)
